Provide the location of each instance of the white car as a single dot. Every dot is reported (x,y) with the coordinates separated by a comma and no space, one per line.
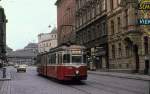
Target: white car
(21,68)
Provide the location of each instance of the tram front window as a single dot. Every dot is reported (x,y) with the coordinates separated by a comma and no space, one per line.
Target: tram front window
(76,59)
(66,58)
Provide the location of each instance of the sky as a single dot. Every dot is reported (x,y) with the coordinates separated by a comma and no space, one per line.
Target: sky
(26,19)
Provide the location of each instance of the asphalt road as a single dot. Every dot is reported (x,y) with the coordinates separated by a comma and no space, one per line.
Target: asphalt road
(31,83)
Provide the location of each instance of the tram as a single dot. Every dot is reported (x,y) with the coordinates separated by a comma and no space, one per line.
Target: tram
(63,63)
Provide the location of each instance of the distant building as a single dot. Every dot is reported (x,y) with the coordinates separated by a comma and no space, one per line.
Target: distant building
(8,49)
(2,35)
(33,47)
(24,56)
(46,41)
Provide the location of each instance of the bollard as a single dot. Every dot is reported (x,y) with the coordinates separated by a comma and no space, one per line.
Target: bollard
(4,72)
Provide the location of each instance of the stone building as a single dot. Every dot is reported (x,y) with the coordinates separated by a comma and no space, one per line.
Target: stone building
(33,47)
(65,21)
(24,56)
(91,30)
(46,41)
(3,22)
(129,44)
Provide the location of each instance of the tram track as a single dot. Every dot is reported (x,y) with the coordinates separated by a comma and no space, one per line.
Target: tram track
(110,88)
(121,84)
(84,91)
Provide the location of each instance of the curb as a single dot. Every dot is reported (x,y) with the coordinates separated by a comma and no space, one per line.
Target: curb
(5,79)
(120,76)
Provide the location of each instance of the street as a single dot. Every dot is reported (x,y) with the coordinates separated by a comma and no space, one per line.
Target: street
(31,83)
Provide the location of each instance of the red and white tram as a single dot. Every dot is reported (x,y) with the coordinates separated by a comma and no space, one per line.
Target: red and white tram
(63,63)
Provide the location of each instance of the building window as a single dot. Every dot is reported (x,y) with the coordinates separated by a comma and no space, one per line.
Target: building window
(118,2)
(98,7)
(89,35)
(98,31)
(128,51)
(112,27)
(126,17)
(111,4)
(119,24)
(93,30)
(119,50)
(103,28)
(146,45)
(113,51)
(104,5)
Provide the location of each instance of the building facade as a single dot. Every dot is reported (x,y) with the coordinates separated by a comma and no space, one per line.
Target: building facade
(33,47)
(65,20)
(24,56)
(3,22)
(91,31)
(128,42)
(46,41)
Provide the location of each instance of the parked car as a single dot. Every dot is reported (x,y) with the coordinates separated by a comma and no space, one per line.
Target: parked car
(21,68)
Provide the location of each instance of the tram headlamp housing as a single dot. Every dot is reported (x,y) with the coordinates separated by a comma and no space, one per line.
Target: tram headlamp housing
(77,72)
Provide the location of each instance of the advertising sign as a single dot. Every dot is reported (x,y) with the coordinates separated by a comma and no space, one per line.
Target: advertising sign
(144,13)
(144,9)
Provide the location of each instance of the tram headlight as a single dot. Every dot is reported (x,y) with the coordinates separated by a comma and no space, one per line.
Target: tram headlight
(77,72)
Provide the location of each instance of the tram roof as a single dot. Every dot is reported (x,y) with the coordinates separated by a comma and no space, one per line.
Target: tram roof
(65,47)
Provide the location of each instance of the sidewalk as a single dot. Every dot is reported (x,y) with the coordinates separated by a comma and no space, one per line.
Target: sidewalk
(8,76)
(122,75)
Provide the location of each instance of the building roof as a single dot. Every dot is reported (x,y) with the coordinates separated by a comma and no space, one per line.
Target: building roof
(31,46)
(22,53)
(29,51)
(54,31)
(8,48)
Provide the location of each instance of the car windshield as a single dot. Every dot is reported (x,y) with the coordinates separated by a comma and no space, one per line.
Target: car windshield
(76,59)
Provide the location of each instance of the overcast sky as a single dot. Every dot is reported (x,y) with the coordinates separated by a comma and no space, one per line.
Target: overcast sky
(26,19)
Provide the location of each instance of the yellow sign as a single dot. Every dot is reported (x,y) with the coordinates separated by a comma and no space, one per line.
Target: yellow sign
(144,8)
(144,5)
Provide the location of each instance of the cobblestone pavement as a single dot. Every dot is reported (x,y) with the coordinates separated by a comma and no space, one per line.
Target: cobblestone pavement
(31,83)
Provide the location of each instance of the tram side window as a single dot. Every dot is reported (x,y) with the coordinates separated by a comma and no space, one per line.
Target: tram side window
(84,59)
(66,58)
